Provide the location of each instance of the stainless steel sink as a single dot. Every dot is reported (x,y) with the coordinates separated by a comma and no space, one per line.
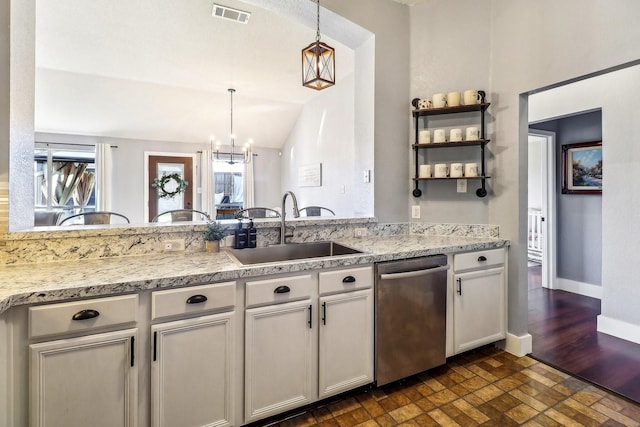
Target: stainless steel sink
(291,251)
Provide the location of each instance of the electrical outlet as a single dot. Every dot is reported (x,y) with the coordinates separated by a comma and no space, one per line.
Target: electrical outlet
(173,245)
(415,211)
(360,232)
(462,185)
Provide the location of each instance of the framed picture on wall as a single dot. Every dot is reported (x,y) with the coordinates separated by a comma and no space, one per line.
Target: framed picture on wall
(582,168)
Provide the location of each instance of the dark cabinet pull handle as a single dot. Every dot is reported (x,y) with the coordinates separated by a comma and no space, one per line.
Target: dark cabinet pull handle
(155,346)
(281,289)
(133,351)
(86,314)
(310,313)
(196,299)
(459,290)
(482,258)
(349,279)
(324,313)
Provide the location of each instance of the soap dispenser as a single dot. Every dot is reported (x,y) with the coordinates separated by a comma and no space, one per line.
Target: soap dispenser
(252,239)
(240,236)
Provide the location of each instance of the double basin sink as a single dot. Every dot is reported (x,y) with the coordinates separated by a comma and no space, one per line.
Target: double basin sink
(289,252)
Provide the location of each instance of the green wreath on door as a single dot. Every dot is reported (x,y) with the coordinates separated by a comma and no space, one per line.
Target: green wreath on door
(170,185)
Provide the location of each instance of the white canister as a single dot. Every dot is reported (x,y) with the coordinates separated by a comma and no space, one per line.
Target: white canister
(473,134)
(455,135)
(424,171)
(453,99)
(440,170)
(439,100)
(470,169)
(439,135)
(471,97)
(456,170)
(424,136)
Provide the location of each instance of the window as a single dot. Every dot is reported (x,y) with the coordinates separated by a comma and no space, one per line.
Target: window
(64,179)
(228,184)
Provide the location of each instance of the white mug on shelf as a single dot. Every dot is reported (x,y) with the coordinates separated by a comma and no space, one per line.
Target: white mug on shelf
(439,100)
(453,99)
(455,135)
(440,170)
(425,171)
(471,97)
(439,135)
(473,134)
(457,170)
(470,169)
(424,136)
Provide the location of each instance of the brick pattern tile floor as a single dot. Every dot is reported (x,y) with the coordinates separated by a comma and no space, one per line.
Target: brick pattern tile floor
(485,387)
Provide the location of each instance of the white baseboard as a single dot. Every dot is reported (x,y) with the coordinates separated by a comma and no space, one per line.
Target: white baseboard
(619,329)
(586,289)
(518,346)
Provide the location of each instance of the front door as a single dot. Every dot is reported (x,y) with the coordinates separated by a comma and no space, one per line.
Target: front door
(166,165)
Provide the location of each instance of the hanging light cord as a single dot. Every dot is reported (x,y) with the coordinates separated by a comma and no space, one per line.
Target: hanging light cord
(233,145)
(318,21)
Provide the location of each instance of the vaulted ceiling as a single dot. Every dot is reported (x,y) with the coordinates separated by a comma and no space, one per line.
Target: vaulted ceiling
(160,70)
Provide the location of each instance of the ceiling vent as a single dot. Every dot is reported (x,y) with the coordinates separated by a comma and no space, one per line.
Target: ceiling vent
(226,12)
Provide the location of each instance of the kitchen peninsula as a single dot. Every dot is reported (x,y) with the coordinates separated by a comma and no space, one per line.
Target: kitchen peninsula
(147,292)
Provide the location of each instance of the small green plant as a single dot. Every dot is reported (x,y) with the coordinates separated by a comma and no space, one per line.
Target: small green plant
(214,232)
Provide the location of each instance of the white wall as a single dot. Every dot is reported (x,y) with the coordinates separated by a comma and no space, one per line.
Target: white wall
(514,54)
(620,203)
(324,133)
(390,101)
(267,172)
(535,172)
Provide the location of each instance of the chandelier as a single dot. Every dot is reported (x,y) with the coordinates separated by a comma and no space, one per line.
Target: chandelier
(318,62)
(232,156)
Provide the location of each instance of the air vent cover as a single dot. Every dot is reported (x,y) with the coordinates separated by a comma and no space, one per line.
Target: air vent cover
(220,11)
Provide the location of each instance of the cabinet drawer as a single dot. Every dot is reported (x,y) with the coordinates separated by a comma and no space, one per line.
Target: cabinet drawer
(345,280)
(98,313)
(193,300)
(279,290)
(478,259)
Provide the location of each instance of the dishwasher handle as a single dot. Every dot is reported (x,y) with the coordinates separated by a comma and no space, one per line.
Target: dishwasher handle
(415,273)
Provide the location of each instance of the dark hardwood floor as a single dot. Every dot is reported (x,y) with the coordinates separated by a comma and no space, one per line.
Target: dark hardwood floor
(563,326)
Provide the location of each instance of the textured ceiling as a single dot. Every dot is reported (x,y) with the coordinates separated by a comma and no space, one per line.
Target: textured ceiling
(160,70)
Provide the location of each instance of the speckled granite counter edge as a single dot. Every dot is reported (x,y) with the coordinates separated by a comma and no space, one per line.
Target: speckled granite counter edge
(68,280)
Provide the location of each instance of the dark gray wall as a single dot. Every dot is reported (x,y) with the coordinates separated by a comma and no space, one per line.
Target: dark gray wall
(578,217)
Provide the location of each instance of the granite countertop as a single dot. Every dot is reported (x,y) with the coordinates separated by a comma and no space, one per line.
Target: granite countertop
(56,281)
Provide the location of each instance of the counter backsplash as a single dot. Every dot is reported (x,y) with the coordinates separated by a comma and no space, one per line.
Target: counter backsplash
(50,245)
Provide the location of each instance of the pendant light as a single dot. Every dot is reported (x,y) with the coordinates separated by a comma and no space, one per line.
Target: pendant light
(318,62)
(231,157)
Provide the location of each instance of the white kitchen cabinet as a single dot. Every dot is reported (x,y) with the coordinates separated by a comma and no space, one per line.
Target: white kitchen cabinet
(93,377)
(479,299)
(89,380)
(279,358)
(193,360)
(192,364)
(345,342)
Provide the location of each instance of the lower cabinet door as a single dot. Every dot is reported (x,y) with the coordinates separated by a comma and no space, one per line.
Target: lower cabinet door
(346,342)
(90,380)
(279,359)
(191,372)
(479,308)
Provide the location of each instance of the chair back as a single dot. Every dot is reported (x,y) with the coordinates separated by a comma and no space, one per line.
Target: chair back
(316,211)
(257,213)
(178,215)
(46,218)
(93,218)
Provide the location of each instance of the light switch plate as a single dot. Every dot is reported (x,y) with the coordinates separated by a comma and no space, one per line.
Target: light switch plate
(462,185)
(415,211)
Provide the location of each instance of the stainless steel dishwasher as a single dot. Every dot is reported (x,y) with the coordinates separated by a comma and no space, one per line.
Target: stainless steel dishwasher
(411,306)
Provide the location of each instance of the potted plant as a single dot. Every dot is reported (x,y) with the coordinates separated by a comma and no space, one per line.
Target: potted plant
(212,236)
